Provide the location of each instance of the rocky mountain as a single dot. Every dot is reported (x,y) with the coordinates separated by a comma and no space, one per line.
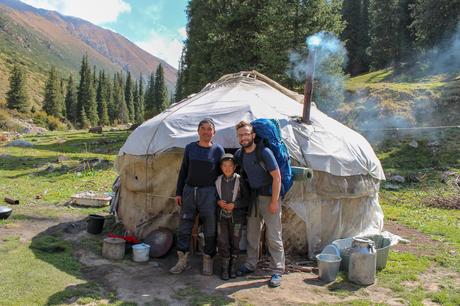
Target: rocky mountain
(39,39)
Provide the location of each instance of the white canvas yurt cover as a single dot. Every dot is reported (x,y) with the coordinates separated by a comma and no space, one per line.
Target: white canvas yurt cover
(340,201)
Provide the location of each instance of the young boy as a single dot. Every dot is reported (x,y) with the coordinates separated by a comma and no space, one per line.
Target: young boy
(231,215)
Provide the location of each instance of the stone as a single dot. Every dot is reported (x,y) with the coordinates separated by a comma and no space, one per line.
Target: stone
(20,143)
(397,178)
(413,144)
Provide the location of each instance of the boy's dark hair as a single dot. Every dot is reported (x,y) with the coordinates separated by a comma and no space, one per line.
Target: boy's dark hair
(227,156)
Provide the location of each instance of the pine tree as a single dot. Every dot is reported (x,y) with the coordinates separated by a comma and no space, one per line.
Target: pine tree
(139,101)
(102,97)
(434,21)
(86,94)
(16,96)
(149,100)
(71,101)
(161,92)
(356,34)
(53,100)
(141,105)
(121,115)
(63,94)
(383,26)
(180,78)
(129,97)
(228,36)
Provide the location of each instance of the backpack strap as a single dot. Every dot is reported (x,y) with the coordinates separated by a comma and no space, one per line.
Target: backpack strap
(260,161)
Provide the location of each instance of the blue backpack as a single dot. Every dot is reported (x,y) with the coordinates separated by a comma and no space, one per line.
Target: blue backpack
(268,134)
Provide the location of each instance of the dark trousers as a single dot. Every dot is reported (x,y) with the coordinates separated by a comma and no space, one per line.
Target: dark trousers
(229,237)
(200,200)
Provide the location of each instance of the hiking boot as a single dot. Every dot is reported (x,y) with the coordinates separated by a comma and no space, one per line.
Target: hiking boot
(275,281)
(233,266)
(208,262)
(225,267)
(243,271)
(182,263)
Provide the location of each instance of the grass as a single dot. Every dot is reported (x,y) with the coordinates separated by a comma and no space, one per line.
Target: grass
(55,182)
(44,270)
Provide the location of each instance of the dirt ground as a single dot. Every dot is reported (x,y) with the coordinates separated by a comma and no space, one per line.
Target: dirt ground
(151,284)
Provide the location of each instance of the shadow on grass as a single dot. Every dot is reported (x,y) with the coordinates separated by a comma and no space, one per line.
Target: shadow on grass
(11,162)
(106,143)
(52,247)
(70,249)
(52,169)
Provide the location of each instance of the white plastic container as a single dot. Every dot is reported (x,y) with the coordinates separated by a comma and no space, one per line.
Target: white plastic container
(141,252)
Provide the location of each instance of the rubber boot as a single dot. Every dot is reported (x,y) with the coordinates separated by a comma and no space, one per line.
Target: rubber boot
(225,267)
(233,266)
(208,262)
(182,263)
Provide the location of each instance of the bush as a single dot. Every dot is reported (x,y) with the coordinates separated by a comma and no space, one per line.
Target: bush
(54,124)
(49,122)
(6,124)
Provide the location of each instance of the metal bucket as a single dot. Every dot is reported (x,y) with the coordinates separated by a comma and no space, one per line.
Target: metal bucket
(328,266)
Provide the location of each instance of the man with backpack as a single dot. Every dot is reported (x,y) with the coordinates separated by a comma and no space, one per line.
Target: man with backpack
(264,178)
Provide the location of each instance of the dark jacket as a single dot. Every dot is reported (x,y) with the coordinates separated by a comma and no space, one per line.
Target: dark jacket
(241,198)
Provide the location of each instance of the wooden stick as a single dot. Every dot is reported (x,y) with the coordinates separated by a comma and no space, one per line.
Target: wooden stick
(11,201)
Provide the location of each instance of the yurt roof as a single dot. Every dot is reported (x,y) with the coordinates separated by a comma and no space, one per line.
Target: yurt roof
(325,145)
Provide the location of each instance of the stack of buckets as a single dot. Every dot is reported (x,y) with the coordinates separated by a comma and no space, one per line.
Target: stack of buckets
(357,256)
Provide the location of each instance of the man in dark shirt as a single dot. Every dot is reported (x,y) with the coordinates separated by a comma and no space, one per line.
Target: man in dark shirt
(265,181)
(196,193)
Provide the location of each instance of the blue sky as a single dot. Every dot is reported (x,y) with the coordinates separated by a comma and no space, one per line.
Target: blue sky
(157,26)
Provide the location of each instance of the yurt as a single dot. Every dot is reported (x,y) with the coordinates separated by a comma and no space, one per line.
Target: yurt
(341,200)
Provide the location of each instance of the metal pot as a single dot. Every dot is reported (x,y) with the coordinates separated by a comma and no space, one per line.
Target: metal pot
(5,212)
(160,241)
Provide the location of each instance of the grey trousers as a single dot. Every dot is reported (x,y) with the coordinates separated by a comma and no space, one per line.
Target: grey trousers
(273,232)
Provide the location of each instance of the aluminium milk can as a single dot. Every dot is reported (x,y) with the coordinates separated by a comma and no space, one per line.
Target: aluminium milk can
(363,258)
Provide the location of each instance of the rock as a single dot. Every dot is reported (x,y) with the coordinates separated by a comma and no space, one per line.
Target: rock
(413,144)
(390,186)
(134,126)
(20,143)
(433,143)
(50,168)
(446,174)
(413,178)
(397,178)
(61,158)
(96,129)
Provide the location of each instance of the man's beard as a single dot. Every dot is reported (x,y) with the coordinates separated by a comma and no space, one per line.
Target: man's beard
(248,144)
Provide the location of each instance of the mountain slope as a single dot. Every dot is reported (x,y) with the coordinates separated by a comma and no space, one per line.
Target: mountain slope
(40,38)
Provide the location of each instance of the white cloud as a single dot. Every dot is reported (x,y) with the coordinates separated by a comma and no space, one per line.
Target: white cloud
(164,47)
(95,11)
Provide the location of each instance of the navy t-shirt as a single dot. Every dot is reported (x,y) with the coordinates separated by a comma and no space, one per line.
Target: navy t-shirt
(200,166)
(258,177)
